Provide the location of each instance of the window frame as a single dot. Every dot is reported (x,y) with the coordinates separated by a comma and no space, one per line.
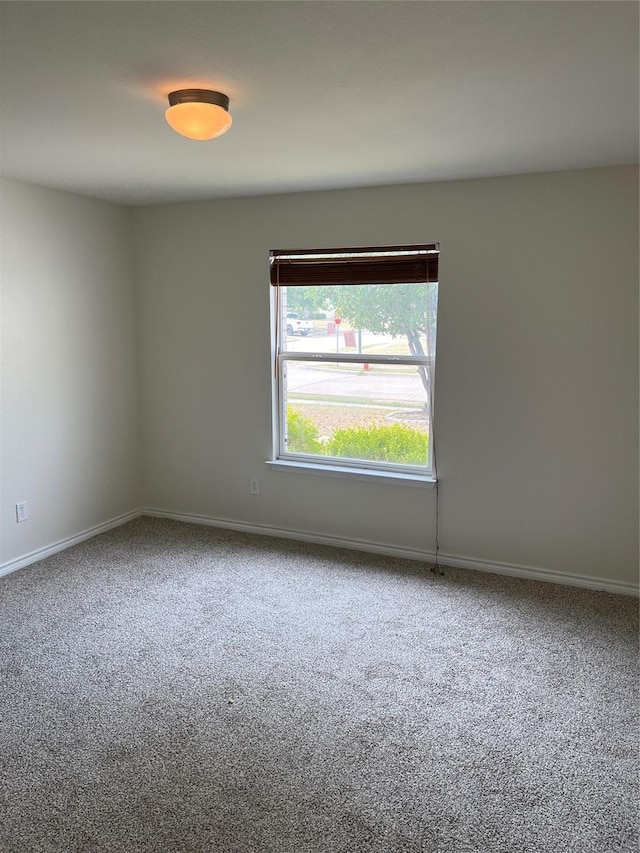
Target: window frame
(285,460)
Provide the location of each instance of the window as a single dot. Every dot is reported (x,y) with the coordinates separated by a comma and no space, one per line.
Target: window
(355,340)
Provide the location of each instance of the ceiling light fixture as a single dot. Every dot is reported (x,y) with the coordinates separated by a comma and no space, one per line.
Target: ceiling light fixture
(198,113)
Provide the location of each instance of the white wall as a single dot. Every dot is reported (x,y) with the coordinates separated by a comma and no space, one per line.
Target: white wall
(537,389)
(69,424)
(537,394)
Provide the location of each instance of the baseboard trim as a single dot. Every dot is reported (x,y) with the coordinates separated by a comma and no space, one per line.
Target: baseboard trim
(63,544)
(452,560)
(455,561)
(545,575)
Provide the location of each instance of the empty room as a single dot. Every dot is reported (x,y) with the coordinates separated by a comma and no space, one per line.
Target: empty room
(319,426)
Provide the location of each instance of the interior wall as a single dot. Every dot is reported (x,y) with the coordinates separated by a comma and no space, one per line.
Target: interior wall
(537,375)
(70,428)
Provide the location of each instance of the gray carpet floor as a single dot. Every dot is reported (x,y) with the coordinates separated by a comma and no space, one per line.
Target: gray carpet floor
(168,688)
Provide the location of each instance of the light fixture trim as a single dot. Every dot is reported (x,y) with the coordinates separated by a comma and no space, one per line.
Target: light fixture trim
(201,96)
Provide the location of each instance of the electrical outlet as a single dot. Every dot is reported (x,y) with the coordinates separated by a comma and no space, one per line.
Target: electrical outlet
(21,511)
(254,487)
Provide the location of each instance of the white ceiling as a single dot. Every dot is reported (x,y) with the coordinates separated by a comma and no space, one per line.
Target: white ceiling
(323,94)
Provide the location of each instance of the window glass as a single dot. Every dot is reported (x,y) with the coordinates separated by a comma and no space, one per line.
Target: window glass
(355,374)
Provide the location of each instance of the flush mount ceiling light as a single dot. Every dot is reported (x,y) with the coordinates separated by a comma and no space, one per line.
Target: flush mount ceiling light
(198,113)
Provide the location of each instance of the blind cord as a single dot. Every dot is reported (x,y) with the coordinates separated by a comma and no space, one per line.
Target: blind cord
(436,568)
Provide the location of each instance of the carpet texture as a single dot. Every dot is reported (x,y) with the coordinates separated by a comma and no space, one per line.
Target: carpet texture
(168,688)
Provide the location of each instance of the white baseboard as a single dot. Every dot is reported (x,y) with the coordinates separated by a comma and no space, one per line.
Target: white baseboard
(63,544)
(545,575)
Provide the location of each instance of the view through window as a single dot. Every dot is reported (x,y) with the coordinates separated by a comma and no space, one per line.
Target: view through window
(356,370)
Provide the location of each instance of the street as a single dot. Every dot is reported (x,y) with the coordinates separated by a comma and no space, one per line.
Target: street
(346,384)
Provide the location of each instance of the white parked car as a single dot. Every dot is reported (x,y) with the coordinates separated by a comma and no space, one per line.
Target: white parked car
(296,326)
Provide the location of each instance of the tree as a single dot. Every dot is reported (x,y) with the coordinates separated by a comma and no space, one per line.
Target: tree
(303,300)
(396,310)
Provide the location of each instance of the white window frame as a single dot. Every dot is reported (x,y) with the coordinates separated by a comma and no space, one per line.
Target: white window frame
(284,460)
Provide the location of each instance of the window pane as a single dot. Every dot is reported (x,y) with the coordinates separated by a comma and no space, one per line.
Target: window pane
(377,413)
(397,319)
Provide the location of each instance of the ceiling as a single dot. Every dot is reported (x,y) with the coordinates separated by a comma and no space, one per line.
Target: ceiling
(323,94)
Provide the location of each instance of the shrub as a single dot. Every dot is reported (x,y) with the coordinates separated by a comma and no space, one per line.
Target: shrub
(302,434)
(394,443)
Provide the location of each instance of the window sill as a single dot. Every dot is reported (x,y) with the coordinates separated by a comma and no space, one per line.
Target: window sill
(394,478)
